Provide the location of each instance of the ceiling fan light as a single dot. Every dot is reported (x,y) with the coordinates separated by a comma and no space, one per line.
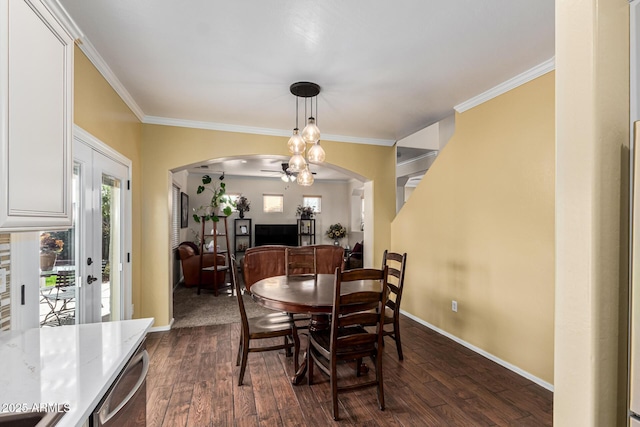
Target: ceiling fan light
(292,178)
(311,133)
(316,153)
(297,163)
(305,177)
(296,144)
(285,177)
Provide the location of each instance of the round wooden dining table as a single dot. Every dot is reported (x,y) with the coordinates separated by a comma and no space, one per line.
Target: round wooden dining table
(305,294)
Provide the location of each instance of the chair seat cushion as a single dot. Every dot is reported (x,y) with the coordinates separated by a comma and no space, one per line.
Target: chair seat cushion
(269,323)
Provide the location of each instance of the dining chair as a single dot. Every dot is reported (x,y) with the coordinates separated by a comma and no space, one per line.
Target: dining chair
(301,260)
(268,326)
(395,281)
(347,339)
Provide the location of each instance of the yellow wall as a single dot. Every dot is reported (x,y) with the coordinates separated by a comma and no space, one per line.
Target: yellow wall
(165,148)
(592,184)
(99,110)
(479,229)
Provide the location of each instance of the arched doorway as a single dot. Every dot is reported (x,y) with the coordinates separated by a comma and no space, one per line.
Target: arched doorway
(340,192)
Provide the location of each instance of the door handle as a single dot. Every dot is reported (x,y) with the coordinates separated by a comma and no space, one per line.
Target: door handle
(91,279)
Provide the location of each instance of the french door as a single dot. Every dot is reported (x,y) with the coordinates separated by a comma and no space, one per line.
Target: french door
(100,202)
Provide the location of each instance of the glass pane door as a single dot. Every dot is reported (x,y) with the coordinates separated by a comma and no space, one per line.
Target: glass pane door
(81,278)
(105,293)
(111,244)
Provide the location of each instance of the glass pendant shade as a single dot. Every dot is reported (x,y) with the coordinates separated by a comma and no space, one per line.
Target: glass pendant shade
(316,153)
(305,177)
(296,143)
(297,163)
(311,133)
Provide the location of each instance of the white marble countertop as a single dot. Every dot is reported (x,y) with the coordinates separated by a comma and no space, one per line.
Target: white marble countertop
(66,365)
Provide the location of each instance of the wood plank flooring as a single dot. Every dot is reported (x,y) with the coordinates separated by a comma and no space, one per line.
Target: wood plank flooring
(192,381)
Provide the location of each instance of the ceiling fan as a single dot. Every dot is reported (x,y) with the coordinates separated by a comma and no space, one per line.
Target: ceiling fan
(285,174)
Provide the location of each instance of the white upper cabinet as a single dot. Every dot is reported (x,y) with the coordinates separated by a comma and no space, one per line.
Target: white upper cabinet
(36,118)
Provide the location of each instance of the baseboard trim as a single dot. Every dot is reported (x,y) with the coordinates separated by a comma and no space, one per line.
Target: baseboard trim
(481,352)
(162,328)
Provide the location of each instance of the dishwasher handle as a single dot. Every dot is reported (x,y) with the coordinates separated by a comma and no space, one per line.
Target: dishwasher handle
(103,413)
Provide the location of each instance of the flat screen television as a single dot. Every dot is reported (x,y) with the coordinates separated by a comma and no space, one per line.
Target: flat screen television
(276,234)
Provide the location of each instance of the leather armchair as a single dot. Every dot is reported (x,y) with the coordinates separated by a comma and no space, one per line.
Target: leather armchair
(190,258)
(354,260)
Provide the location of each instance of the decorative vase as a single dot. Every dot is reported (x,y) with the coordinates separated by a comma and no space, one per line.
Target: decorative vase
(47,260)
(336,242)
(305,216)
(241,213)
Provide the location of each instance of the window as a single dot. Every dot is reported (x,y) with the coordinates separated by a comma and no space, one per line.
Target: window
(272,203)
(175,216)
(314,202)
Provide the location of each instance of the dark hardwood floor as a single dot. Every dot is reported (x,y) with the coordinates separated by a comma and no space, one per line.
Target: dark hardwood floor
(192,381)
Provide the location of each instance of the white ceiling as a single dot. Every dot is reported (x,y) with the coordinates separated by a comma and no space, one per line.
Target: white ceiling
(386,68)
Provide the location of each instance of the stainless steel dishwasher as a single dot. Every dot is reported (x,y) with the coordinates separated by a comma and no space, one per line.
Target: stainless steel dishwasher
(125,404)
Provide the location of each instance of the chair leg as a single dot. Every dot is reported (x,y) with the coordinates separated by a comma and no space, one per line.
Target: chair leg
(358,364)
(334,389)
(239,351)
(396,336)
(310,363)
(296,350)
(245,355)
(378,362)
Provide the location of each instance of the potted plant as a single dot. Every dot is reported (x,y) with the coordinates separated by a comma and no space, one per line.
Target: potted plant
(336,232)
(50,247)
(304,212)
(243,205)
(219,199)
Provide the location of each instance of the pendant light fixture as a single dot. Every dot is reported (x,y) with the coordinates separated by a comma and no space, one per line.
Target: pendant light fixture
(296,143)
(305,177)
(297,163)
(315,153)
(310,135)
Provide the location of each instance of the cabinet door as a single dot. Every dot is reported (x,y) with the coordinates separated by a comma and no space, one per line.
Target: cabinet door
(36,116)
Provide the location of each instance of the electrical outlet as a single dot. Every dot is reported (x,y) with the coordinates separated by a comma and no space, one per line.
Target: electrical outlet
(454,306)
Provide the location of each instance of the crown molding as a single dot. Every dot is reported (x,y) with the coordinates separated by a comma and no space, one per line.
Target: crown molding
(111,78)
(510,84)
(433,153)
(92,54)
(165,121)
(60,13)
